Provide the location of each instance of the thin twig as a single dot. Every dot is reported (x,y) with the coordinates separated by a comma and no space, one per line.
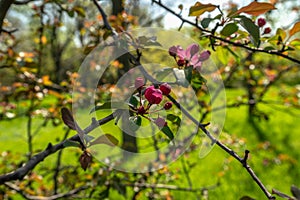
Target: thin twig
(210,34)
(171,187)
(54,197)
(21,172)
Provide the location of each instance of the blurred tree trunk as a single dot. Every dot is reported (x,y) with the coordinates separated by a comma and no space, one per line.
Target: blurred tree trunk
(129,140)
(117,7)
(4,6)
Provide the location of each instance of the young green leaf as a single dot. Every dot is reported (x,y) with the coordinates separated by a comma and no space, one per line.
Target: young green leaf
(252,29)
(105,139)
(69,143)
(167,131)
(205,22)
(229,29)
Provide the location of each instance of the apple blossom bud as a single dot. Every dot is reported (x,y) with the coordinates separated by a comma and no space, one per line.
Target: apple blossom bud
(168,105)
(165,88)
(267,30)
(154,96)
(139,82)
(180,62)
(261,22)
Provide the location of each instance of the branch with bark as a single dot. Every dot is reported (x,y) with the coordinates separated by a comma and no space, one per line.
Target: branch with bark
(21,172)
(211,34)
(243,161)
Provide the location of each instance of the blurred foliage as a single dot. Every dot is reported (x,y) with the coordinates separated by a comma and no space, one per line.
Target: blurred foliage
(38,69)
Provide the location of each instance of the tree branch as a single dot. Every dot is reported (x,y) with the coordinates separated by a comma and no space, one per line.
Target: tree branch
(4,6)
(21,172)
(210,34)
(54,197)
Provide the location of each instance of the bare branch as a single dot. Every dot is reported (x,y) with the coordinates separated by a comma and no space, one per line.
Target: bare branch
(210,34)
(4,6)
(54,197)
(21,172)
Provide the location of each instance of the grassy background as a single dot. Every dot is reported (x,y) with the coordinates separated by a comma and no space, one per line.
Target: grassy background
(274,147)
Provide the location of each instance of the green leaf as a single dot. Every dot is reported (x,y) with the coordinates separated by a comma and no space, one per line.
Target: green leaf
(135,122)
(246,198)
(188,72)
(198,81)
(280,34)
(80,11)
(252,29)
(199,8)
(134,101)
(205,22)
(295,43)
(269,48)
(229,29)
(167,131)
(105,139)
(69,143)
(174,119)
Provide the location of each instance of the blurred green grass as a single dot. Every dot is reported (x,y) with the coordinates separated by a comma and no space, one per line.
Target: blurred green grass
(274,147)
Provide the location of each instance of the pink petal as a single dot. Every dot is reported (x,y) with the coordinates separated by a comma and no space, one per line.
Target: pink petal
(192,50)
(204,55)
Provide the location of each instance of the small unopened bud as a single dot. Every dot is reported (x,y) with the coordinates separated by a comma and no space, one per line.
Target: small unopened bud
(180,62)
(168,105)
(267,30)
(139,82)
(261,22)
(165,88)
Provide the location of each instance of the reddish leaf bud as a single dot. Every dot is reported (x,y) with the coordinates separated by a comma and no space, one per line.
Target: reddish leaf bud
(180,62)
(139,82)
(160,122)
(168,105)
(261,22)
(85,160)
(165,88)
(154,96)
(141,110)
(267,30)
(173,51)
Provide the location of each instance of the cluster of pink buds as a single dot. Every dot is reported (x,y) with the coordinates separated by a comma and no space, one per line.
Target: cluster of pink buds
(261,22)
(189,57)
(153,95)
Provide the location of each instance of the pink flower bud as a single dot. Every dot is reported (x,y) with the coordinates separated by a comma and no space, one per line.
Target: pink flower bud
(165,88)
(261,22)
(173,51)
(141,110)
(204,55)
(154,96)
(267,30)
(168,105)
(139,82)
(160,122)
